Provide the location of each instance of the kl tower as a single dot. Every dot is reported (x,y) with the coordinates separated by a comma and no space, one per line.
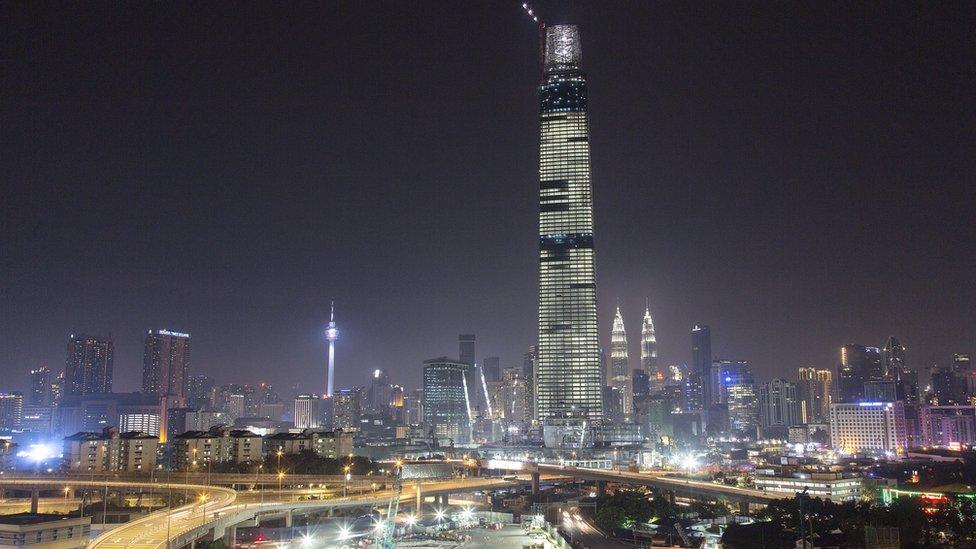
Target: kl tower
(332,334)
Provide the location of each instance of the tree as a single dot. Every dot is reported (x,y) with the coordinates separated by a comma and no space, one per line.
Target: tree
(611,518)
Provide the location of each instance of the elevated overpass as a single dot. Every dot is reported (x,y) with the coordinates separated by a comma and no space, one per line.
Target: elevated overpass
(674,487)
(216,511)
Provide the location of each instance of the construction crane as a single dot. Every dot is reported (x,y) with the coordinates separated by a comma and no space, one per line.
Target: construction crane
(393,509)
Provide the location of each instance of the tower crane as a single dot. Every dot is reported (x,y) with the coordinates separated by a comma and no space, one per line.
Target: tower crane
(393,508)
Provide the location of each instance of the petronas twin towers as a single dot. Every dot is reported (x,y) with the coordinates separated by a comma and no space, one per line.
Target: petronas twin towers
(621,374)
(569,379)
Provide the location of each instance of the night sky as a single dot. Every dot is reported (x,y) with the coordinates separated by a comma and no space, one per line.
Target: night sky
(795,175)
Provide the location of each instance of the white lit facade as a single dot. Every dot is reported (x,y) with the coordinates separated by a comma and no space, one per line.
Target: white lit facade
(308,412)
(649,352)
(867,427)
(567,376)
(620,363)
(825,486)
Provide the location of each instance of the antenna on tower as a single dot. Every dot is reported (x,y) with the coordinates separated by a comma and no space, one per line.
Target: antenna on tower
(542,35)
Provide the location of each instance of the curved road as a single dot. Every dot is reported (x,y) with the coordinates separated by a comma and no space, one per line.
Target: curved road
(153,531)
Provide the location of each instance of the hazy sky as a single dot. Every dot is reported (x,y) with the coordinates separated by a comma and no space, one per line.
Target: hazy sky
(795,175)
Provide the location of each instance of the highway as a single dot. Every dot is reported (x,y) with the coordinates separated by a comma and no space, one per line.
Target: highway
(223,509)
(657,479)
(582,533)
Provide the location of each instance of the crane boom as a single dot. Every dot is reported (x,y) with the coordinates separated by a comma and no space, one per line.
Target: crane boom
(393,509)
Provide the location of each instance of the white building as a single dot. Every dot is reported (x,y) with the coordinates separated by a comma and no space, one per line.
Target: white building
(868,427)
(44,531)
(145,423)
(110,451)
(308,412)
(832,486)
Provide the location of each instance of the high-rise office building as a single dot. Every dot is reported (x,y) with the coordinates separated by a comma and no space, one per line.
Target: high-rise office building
(858,364)
(648,356)
(466,354)
(58,388)
(40,387)
(347,407)
(11,410)
(466,349)
(308,412)
(568,379)
(491,366)
(962,363)
(813,389)
(165,372)
(413,405)
(88,365)
(738,394)
(446,402)
(528,374)
(778,406)
(378,394)
(700,375)
(895,369)
(202,392)
(166,365)
(620,371)
(893,358)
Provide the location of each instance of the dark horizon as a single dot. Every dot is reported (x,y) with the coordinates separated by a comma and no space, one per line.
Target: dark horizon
(795,176)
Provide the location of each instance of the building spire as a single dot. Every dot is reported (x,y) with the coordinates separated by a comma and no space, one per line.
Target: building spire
(649,345)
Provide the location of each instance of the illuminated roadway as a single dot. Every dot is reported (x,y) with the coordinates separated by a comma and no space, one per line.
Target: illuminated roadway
(224,509)
(657,479)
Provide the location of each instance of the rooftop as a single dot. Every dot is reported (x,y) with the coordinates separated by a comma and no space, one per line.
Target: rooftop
(24,519)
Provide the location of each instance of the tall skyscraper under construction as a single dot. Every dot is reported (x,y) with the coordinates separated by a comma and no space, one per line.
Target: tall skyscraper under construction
(567,377)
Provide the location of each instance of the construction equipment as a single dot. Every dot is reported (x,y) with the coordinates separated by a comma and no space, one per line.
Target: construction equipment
(393,509)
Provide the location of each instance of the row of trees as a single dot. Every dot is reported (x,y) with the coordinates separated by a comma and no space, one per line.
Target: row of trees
(625,508)
(921,524)
(303,463)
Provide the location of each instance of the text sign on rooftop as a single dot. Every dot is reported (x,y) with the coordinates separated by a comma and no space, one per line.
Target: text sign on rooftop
(174,334)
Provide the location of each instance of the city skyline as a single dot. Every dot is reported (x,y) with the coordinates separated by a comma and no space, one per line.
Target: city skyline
(809,284)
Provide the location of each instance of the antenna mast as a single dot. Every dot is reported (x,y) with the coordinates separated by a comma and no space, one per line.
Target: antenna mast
(542,36)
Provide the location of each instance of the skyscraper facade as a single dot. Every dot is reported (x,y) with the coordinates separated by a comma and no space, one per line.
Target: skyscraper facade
(40,387)
(814,388)
(738,393)
(778,406)
(88,365)
(649,352)
(466,349)
(379,393)
(858,364)
(166,366)
(11,411)
(308,412)
(491,366)
(568,378)
(700,375)
(446,403)
(620,371)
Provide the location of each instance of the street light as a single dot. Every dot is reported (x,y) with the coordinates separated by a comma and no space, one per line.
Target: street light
(281,475)
(345,483)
